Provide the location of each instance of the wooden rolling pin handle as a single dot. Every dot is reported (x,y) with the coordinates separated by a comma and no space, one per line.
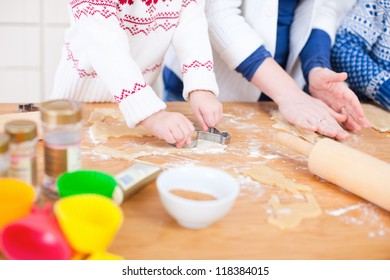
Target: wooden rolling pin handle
(294,143)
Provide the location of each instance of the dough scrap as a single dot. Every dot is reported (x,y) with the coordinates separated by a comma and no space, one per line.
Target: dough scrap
(378,117)
(103,131)
(157,148)
(269,176)
(283,124)
(100,114)
(290,215)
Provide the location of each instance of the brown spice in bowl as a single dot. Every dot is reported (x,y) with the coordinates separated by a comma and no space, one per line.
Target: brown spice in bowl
(192,195)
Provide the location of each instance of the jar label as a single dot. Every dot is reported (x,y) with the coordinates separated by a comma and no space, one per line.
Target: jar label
(60,159)
(23,168)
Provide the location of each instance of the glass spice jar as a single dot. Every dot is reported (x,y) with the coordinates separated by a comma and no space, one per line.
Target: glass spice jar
(62,124)
(4,159)
(22,151)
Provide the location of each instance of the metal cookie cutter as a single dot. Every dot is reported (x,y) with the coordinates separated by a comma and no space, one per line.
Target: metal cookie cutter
(27,107)
(214,135)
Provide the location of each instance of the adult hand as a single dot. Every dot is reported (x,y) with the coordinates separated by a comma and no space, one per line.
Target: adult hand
(173,127)
(330,87)
(312,114)
(206,108)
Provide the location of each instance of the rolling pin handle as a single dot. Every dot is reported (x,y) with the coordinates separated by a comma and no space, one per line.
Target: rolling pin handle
(294,143)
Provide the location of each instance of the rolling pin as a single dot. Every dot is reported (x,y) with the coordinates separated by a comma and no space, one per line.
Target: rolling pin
(357,172)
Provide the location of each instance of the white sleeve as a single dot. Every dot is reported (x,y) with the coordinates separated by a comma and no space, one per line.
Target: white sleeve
(106,46)
(232,37)
(192,46)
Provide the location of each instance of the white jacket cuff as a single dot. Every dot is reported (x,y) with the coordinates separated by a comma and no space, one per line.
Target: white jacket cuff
(140,105)
(202,80)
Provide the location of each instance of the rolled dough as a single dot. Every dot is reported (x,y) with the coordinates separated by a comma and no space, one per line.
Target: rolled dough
(100,114)
(157,148)
(285,215)
(269,176)
(379,118)
(103,131)
(290,215)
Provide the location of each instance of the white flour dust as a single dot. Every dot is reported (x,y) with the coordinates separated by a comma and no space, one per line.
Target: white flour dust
(362,214)
(253,187)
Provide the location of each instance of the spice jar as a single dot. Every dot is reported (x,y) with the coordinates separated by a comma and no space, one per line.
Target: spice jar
(22,151)
(61,122)
(4,140)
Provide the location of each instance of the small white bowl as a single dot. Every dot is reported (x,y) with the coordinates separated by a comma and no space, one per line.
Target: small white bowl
(196,214)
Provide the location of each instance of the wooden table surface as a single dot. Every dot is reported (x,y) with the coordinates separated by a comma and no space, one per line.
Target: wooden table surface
(349,228)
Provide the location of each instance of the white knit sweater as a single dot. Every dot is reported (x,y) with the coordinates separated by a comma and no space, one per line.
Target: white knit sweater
(114,50)
(238,27)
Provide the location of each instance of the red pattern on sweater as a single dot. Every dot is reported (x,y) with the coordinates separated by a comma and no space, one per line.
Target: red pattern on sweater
(125,92)
(82,73)
(187,2)
(151,69)
(105,8)
(208,65)
(165,21)
(134,24)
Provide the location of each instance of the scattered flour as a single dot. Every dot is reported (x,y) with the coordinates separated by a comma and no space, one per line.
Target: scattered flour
(362,214)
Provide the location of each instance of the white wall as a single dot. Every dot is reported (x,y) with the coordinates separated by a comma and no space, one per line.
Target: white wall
(31,37)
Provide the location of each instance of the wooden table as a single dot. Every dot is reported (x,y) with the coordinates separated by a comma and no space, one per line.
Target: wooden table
(349,228)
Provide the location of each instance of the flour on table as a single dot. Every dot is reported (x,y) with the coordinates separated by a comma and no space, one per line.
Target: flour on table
(379,118)
(362,214)
(290,215)
(283,124)
(206,147)
(269,176)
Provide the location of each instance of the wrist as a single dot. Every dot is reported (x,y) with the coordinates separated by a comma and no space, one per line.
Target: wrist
(150,117)
(198,92)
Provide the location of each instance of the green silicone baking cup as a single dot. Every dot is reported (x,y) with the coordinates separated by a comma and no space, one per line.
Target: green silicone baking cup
(86,181)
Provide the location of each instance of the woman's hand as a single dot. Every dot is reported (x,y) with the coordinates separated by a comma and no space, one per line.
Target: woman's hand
(330,87)
(312,114)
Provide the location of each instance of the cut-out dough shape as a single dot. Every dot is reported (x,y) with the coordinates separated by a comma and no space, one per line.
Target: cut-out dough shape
(282,124)
(269,176)
(379,118)
(290,215)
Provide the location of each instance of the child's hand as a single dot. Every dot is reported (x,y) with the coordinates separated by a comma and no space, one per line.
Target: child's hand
(206,108)
(330,87)
(312,114)
(173,127)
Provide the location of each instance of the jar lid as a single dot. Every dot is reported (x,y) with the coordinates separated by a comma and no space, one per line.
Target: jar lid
(4,139)
(21,130)
(60,112)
